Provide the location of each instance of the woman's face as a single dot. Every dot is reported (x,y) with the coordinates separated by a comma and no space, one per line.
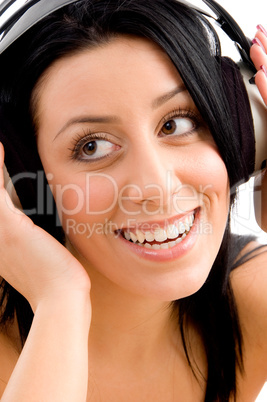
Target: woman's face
(141,190)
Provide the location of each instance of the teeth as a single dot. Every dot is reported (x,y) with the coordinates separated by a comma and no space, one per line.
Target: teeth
(149,236)
(187,227)
(127,236)
(140,236)
(133,237)
(172,232)
(160,235)
(164,246)
(156,246)
(181,227)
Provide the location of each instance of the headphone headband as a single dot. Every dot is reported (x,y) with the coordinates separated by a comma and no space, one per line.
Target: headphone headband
(17,16)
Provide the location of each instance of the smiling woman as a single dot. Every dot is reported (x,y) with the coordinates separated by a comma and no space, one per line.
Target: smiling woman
(159,132)
(126,109)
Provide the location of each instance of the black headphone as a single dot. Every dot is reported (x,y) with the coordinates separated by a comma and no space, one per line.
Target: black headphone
(17,16)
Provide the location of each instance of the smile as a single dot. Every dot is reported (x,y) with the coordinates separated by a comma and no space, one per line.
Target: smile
(161,238)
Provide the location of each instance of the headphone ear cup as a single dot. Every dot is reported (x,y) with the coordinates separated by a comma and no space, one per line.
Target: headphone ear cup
(259,115)
(241,113)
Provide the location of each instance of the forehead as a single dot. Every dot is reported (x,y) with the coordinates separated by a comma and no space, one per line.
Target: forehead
(121,78)
(121,61)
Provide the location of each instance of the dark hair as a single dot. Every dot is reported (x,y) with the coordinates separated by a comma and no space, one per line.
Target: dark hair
(194,49)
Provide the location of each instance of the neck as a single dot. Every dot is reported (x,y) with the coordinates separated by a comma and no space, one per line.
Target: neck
(127,329)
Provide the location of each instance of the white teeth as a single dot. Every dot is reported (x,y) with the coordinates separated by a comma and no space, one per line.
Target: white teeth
(179,240)
(156,246)
(160,235)
(164,246)
(187,227)
(133,237)
(181,227)
(149,236)
(140,236)
(127,236)
(172,232)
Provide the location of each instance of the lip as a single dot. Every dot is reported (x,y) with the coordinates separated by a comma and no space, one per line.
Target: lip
(170,254)
(151,226)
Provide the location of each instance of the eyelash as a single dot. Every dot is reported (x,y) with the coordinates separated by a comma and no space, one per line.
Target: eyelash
(81,139)
(183,113)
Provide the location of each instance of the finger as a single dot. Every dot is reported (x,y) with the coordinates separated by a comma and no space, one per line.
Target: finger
(2,157)
(261,30)
(261,82)
(263,39)
(258,54)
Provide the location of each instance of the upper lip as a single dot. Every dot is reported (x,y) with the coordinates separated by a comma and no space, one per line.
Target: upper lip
(160,224)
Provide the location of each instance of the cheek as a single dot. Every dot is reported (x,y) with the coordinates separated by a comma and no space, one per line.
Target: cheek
(217,183)
(205,177)
(216,194)
(210,170)
(90,199)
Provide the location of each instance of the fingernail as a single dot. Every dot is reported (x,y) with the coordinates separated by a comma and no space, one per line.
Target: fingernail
(258,42)
(262,29)
(264,69)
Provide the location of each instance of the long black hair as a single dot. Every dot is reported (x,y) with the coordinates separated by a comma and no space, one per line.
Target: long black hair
(193,46)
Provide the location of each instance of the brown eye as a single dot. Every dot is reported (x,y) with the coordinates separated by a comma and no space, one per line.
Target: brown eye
(95,149)
(178,126)
(169,127)
(90,148)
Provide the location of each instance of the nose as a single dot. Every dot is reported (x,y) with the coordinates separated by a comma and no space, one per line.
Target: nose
(152,182)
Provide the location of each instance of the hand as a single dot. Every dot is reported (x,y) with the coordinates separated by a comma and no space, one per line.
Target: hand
(32,261)
(259,58)
(258,54)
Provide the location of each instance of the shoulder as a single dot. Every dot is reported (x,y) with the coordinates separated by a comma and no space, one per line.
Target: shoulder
(249,283)
(8,359)
(10,348)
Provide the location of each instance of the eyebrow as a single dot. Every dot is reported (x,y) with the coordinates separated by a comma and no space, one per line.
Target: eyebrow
(168,96)
(88,119)
(161,100)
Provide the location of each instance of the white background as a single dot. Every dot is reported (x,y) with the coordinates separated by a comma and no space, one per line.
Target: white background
(248,15)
